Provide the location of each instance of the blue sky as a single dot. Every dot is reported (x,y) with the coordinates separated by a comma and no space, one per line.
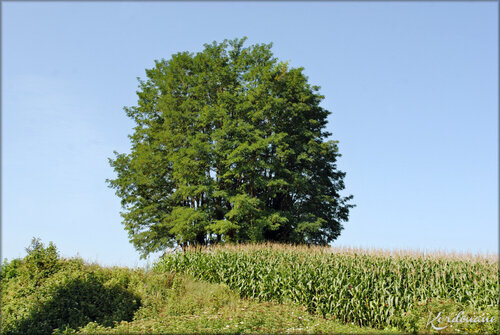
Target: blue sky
(412,87)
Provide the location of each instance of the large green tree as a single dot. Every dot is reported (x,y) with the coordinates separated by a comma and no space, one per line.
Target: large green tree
(229,145)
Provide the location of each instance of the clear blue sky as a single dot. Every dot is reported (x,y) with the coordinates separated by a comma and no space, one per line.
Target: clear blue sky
(413,90)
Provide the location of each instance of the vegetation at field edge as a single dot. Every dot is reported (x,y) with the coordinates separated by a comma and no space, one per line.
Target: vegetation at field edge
(46,294)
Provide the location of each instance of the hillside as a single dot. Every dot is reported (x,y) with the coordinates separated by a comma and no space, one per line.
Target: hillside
(247,289)
(44,293)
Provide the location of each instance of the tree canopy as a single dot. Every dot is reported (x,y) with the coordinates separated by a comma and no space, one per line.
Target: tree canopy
(229,146)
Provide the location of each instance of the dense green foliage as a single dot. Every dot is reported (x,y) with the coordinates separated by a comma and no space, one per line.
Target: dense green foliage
(45,294)
(229,145)
(367,289)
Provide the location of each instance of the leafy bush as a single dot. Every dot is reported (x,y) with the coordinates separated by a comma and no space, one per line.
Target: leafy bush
(43,292)
(9,269)
(41,262)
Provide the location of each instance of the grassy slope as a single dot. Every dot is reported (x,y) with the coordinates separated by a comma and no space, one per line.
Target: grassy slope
(193,306)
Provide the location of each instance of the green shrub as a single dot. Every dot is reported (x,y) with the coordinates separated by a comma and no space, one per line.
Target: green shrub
(41,262)
(43,292)
(9,269)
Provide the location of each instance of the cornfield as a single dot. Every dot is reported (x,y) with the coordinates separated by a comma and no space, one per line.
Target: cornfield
(369,288)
